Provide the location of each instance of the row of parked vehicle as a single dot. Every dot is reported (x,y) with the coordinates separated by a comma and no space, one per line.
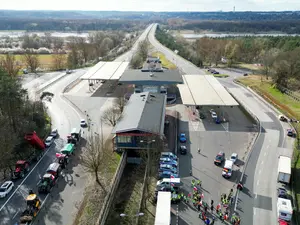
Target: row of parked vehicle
(213,71)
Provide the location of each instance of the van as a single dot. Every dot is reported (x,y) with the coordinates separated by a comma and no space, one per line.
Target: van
(284,209)
(168,181)
(227,170)
(76,133)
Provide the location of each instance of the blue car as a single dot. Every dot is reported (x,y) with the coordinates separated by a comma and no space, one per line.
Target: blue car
(182,138)
(167,174)
(168,155)
(168,161)
(166,167)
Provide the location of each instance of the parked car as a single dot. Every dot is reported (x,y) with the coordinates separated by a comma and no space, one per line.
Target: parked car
(282,193)
(216,72)
(168,161)
(214,115)
(49,140)
(168,155)
(245,74)
(68,71)
(83,123)
(54,133)
(167,174)
(6,188)
(234,157)
(220,158)
(291,133)
(183,150)
(182,138)
(166,167)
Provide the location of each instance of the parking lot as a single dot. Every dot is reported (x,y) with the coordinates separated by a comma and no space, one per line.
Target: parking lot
(229,137)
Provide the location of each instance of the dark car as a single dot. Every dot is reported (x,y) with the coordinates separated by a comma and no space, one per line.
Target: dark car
(282,193)
(220,158)
(216,72)
(245,74)
(183,150)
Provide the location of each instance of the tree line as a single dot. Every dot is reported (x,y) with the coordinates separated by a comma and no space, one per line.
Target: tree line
(279,56)
(19,115)
(286,26)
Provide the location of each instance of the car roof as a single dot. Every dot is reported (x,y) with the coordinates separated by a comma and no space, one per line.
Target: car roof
(49,138)
(6,183)
(234,154)
(54,130)
(221,153)
(82,120)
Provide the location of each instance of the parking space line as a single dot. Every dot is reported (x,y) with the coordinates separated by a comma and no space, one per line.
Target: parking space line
(15,214)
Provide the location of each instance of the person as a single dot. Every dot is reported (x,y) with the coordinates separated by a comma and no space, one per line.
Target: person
(199,150)
(212,208)
(212,202)
(213,220)
(218,207)
(240,186)
(199,183)
(207,222)
(202,196)
(193,183)
(205,208)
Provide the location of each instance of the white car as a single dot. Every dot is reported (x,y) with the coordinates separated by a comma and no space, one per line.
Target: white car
(83,123)
(49,140)
(6,188)
(234,157)
(54,133)
(214,115)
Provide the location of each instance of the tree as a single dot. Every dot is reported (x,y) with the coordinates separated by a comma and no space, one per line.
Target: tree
(73,59)
(120,103)
(59,61)
(93,159)
(58,43)
(10,65)
(31,61)
(136,62)
(267,58)
(111,116)
(143,48)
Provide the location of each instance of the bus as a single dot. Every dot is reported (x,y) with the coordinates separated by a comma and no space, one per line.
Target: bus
(163,208)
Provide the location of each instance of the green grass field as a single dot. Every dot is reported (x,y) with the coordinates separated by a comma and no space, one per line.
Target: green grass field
(164,61)
(46,61)
(287,106)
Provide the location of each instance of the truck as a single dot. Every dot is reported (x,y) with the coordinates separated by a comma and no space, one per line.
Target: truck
(33,206)
(284,169)
(284,209)
(50,177)
(23,166)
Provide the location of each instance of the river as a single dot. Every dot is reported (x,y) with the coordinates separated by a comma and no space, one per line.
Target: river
(221,35)
(15,34)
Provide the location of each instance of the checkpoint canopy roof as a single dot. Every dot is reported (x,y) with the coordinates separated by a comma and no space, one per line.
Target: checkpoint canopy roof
(151,78)
(106,71)
(204,90)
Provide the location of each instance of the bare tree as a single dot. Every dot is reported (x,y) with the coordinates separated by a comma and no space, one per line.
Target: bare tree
(143,49)
(93,159)
(32,61)
(59,61)
(120,103)
(9,64)
(111,116)
(58,42)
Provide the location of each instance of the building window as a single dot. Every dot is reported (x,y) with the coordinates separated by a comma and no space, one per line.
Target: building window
(124,139)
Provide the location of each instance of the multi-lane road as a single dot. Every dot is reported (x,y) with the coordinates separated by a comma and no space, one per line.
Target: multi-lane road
(61,204)
(257,203)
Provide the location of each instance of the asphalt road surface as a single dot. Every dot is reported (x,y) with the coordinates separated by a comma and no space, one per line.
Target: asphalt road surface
(257,204)
(230,137)
(13,205)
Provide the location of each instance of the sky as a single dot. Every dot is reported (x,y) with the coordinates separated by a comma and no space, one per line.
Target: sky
(153,5)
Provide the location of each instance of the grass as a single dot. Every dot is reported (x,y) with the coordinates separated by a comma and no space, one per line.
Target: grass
(164,61)
(46,61)
(90,206)
(248,66)
(289,107)
(220,75)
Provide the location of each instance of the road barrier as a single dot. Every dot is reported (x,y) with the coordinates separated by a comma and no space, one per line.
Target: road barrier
(51,82)
(246,109)
(111,193)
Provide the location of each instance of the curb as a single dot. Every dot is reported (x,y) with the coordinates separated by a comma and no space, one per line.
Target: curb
(72,103)
(252,145)
(70,86)
(51,83)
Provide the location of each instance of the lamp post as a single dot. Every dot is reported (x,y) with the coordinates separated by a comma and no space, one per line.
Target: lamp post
(133,217)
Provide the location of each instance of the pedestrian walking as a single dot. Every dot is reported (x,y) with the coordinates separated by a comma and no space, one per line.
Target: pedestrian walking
(213,221)
(202,196)
(212,202)
(218,207)
(205,209)
(199,206)
(211,208)
(231,200)
(207,222)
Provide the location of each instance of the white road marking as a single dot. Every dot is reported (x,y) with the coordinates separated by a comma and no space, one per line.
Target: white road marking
(15,214)
(5,203)
(257,183)
(262,162)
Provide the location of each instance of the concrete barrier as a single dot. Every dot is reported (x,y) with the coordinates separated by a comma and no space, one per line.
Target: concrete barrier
(51,82)
(111,193)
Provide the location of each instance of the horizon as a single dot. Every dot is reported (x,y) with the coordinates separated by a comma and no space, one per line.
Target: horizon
(155,5)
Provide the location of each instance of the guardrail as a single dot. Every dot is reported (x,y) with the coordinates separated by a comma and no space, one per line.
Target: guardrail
(252,144)
(111,193)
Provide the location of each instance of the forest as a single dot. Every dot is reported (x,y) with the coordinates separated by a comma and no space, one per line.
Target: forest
(279,56)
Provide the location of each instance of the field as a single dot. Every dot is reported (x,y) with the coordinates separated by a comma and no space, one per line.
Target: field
(164,61)
(289,107)
(46,61)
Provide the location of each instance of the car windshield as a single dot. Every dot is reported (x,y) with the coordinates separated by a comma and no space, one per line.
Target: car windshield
(48,139)
(233,156)
(2,189)
(218,157)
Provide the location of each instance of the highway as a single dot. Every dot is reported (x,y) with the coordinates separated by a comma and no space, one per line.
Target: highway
(60,206)
(233,136)
(258,203)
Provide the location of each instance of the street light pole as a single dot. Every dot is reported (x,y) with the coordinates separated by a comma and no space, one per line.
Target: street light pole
(133,217)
